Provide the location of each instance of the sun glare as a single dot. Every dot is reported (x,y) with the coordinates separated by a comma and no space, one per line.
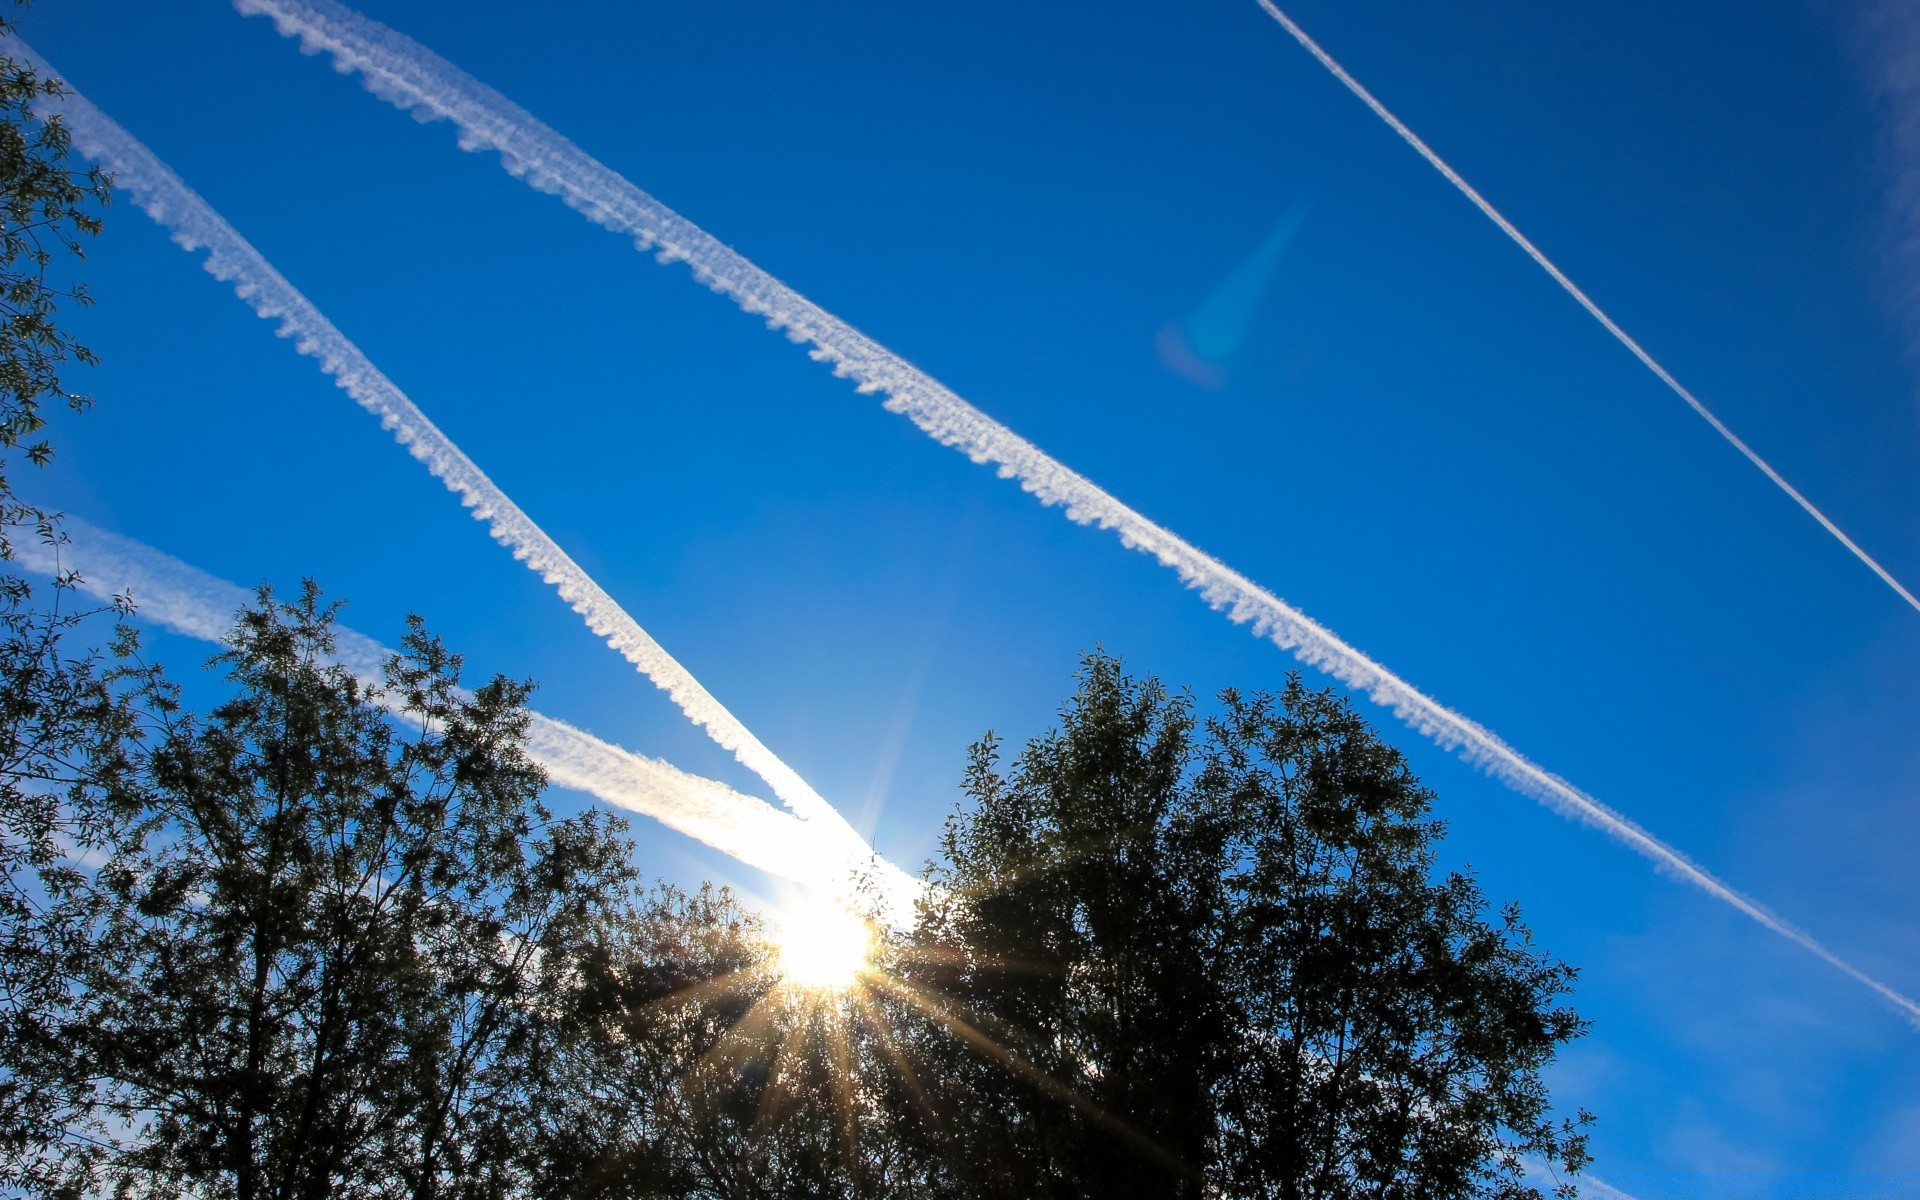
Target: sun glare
(821,947)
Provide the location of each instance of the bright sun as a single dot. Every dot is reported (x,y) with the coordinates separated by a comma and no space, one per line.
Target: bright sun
(821,947)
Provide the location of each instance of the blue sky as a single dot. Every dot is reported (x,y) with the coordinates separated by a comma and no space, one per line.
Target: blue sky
(1420,442)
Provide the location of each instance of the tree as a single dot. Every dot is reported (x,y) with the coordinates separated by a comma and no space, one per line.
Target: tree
(339,938)
(1218,959)
(68,718)
(46,209)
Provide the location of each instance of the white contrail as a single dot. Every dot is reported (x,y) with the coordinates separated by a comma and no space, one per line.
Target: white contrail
(196,226)
(415,79)
(1572,289)
(175,596)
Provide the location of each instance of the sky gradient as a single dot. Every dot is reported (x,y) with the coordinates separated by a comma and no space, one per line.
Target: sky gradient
(1419,440)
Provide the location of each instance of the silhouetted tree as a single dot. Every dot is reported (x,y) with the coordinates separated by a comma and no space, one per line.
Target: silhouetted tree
(1166,958)
(336,945)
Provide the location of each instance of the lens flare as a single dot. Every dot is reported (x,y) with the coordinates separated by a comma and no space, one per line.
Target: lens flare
(1201,347)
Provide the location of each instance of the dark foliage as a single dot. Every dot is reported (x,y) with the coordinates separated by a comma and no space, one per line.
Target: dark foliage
(1218,959)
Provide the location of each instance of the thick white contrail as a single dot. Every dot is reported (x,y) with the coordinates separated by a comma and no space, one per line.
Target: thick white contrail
(1572,289)
(175,596)
(415,79)
(196,226)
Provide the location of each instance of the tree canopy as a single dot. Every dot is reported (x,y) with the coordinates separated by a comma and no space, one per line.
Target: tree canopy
(1217,958)
(329,940)
(324,937)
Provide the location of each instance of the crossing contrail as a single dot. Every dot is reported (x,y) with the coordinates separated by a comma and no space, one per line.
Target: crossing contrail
(415,79)
(1580,297)
(230,258)
(188,601)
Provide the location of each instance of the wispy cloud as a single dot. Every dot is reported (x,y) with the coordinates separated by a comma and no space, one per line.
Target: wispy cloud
(181,598)
(416,80)
(1580,297)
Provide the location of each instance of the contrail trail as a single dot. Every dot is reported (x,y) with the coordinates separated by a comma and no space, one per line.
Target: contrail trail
(415,79)
(175,596)
(1572,289)
(230,258)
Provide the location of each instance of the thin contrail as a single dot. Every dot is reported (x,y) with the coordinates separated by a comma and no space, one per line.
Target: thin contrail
(415,79)
(175,596)
(196,226)
(1572,289)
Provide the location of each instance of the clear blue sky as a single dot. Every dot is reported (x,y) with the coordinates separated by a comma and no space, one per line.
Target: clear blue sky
(1420,441)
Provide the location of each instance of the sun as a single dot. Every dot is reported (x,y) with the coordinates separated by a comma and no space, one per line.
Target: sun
(820,946)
